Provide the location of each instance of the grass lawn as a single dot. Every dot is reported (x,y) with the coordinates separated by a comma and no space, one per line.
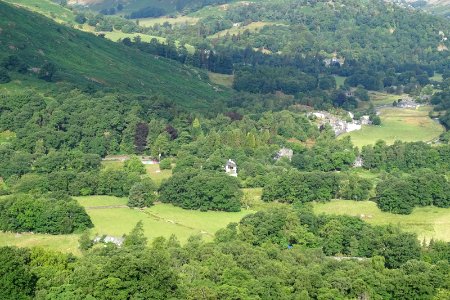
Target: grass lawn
(426,222)
(112,165)
(149,22)
(398,124)
(339,80)
(156,174)
(63,243)
(111,217)
(221,79)
(381,99)
(117,35)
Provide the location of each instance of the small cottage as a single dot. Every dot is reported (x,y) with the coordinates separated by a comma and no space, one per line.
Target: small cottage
(231,168)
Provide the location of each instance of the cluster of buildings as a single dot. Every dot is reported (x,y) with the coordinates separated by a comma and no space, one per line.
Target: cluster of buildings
(339,125)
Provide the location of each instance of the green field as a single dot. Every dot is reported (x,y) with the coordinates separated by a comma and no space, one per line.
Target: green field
(48,9)
(398,124)
(427,222)
(149,22)
(221,79)
(116,36)
(340,80)
(382,99)
(111,216)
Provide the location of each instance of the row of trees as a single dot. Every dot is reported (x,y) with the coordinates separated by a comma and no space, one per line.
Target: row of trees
(405,156)
(421,188)
(295,187)
(52,213)
(105,182)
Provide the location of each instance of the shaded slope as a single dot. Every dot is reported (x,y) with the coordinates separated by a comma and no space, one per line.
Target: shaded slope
(82,58)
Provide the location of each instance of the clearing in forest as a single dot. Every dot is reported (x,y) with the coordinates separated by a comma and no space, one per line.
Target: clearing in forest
(221,79)
(111,216)
(149,22)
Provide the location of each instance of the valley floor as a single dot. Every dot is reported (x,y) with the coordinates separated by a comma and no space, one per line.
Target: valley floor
(111,216)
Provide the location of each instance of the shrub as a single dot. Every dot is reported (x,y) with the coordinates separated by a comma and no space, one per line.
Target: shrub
(165,164)
(142,194)
(4,77)
(135,165)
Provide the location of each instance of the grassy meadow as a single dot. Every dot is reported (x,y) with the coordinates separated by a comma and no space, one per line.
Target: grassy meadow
(116,36)
(47,8)
(149,22)
(221,79)
(111,216)
(340,80)
(427,222)
(437,77)
(407,125)
(381,99)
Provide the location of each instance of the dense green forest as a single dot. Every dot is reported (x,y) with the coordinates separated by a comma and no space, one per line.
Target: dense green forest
(69,98)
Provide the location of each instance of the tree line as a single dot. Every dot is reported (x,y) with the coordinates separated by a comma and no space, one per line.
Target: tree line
(274,254)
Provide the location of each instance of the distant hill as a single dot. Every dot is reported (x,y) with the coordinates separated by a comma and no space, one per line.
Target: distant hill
(85,59)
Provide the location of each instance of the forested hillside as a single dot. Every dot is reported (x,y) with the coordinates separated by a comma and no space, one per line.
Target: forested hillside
(96,136)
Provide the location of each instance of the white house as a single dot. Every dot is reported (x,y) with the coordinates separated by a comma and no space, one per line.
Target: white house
(231,168)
